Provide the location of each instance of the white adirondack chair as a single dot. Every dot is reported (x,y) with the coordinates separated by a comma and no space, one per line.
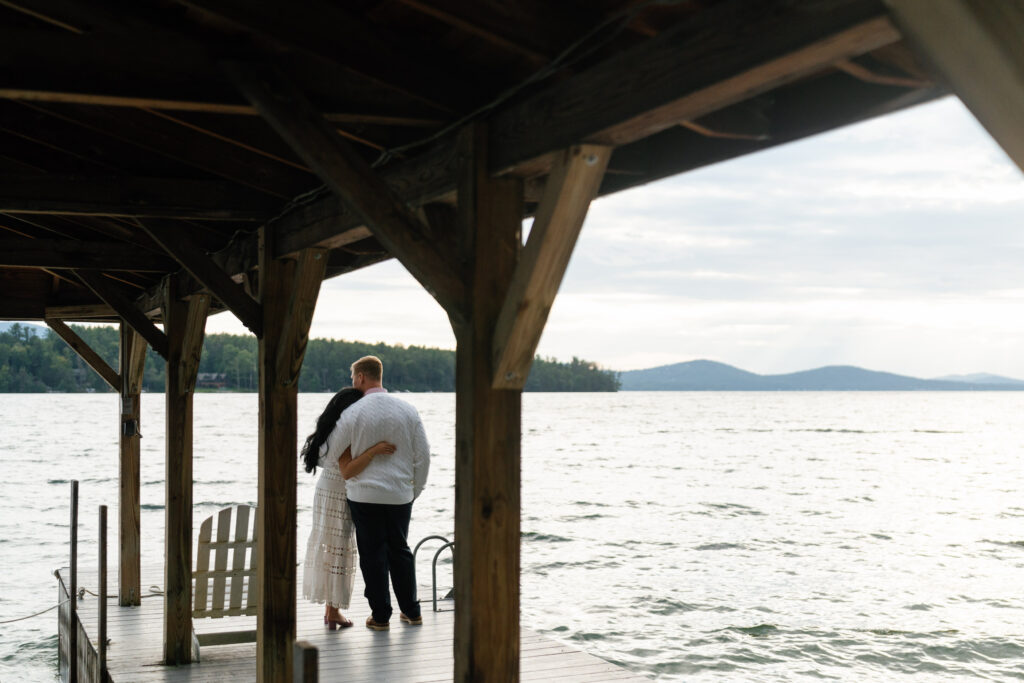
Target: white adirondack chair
(228,589)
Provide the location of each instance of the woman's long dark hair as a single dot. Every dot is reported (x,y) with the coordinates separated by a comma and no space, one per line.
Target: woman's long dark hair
(325,425)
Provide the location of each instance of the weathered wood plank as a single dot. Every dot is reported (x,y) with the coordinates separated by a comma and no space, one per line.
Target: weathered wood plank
(131,361)
(61,254)
(185,322)
(134,197)
(572,184)
(348,175)
(180,246)
(85,352)
(487,424)
(984,64)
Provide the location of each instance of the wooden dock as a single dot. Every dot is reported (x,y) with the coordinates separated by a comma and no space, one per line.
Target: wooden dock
(405,653)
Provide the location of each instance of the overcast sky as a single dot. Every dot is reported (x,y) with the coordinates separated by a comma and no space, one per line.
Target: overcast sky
(894,245)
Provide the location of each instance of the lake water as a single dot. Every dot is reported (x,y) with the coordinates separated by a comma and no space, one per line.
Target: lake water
(686,536)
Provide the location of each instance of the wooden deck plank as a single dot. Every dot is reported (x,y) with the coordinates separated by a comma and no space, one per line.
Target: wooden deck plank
(413,654)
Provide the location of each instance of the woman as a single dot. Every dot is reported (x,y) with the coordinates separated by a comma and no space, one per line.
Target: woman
(330,565)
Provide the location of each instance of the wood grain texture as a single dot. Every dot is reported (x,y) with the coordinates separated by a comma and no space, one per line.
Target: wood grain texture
(347,174)
(277,475)
(984,63)
(185,322)
(131,361)
(310,267)
(203,268)
(487,426)
(85,352)
(572,184)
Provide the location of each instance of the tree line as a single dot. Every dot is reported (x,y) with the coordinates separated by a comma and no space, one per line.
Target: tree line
(31,362)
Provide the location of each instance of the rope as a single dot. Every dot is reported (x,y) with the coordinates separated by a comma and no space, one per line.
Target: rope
(11,621)
(154,591)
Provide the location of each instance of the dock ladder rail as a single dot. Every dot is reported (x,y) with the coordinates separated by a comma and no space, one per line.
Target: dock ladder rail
(433,564)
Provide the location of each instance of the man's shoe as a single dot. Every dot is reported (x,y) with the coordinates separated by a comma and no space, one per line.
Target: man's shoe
(418,621)
(376,625)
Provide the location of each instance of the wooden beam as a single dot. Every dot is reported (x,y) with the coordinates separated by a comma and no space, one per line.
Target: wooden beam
(726,53)
(572,185)
(347,174)
(487,426)
(138,197)
(185,322)
(309,273)
(85,352)
(109,294)
(65,254)
(132,361)
(976,46)
(81,312)
(180,246)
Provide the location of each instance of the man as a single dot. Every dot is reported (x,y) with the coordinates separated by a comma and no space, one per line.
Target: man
(381,496)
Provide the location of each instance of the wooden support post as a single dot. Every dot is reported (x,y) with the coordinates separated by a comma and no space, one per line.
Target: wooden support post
(86,353)
(185,324)
(976,47)
(573,183)
(132,362)
(288,293)
(487,424)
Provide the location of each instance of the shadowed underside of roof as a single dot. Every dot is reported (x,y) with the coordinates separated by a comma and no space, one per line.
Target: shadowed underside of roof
(130,143)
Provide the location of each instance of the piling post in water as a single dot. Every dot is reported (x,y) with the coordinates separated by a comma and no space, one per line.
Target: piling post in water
(103,593)
(73,589)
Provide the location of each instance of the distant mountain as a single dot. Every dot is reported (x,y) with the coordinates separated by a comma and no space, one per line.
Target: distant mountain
(706,375)
(981,378)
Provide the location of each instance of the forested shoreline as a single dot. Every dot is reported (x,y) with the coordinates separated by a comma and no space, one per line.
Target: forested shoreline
(31,363)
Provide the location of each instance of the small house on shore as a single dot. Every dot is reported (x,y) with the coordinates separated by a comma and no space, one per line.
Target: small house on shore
(164,160)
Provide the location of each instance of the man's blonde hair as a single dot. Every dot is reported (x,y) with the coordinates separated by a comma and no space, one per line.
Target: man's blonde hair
(369,366)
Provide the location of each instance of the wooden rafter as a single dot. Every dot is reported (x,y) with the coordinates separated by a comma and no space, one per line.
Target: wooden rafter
(572,185)
(80,311)
(109,294)
(64,254)
(181,247)
(166,138)
(976,46)
(133,197)
(85,352)
(328,31)
(347,174)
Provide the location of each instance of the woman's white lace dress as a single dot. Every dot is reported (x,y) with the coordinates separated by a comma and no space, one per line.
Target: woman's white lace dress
(331,560)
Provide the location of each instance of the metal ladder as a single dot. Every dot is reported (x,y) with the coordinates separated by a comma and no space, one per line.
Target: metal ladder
(433,565)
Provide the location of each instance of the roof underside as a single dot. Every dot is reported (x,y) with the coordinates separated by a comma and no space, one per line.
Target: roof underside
(119,123)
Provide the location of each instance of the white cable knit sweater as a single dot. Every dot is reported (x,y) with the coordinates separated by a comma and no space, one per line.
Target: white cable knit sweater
(393,479)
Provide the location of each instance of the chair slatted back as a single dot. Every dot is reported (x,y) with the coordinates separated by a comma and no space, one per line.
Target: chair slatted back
(221,584)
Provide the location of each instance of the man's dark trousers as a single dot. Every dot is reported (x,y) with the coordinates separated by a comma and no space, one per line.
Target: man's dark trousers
(382,537)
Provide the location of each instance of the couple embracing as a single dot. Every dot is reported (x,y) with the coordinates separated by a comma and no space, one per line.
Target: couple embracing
(374,456)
